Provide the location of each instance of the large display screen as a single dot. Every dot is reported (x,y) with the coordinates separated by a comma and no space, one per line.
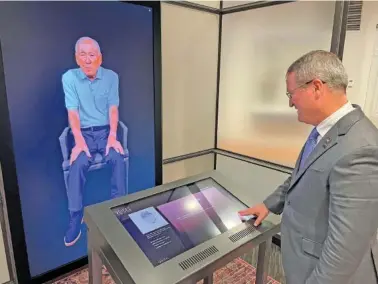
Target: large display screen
(79,80)
(167,224)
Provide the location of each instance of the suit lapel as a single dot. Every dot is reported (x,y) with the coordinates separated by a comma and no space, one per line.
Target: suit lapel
(327,142)
(297,164)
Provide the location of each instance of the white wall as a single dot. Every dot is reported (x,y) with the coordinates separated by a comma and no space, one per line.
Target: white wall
(189,71)
(209,3)
(188,167)
(233,3)
(257,47)
(358,55)
(189,74)
(263,181)
(371,105)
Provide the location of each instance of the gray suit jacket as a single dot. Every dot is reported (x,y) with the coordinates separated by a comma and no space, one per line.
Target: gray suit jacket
(330,208)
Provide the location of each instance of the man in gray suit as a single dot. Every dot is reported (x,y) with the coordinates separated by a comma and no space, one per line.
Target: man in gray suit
(329,204)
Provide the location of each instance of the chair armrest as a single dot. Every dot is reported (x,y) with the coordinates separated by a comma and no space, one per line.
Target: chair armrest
(63,140)
(124,131)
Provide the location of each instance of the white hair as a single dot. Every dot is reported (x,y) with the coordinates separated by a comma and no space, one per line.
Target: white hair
(322,65)
(86,38)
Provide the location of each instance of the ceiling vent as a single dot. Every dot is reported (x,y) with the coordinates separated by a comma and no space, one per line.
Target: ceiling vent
(354,16)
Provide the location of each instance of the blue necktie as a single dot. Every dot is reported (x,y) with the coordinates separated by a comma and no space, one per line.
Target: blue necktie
(309,146)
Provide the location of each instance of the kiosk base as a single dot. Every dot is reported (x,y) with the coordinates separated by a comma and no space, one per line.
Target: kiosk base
(95,266)
(208,279)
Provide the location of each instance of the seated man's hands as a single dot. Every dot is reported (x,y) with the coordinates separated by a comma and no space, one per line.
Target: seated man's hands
(259,210)
(80,146)
(114,143)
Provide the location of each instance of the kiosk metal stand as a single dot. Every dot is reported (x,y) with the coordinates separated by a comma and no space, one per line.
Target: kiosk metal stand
(208,279)
(110,244)
(263,262)
(95,266)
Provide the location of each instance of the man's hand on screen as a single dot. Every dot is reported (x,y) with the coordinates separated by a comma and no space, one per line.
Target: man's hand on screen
(260,211)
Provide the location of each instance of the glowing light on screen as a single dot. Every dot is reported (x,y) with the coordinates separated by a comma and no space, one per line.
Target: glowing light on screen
(192,205)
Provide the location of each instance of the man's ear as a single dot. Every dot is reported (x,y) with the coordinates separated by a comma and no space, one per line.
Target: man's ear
(318,88)
(100,60)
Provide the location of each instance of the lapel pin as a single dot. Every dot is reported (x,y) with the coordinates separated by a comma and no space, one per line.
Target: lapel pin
(326,142)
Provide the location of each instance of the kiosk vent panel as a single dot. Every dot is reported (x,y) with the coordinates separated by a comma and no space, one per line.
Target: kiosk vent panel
(242,234)
(193,260)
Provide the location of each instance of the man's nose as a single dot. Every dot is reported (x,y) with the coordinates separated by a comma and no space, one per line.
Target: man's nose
(88,60)
(290,103)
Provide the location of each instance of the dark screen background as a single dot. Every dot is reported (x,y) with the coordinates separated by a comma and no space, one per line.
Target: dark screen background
(37,40)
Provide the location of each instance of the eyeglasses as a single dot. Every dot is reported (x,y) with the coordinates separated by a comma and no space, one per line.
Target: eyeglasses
(289,95)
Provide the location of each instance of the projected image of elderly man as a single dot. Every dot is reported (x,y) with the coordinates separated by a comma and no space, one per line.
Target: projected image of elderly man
(329,204)
(92,99)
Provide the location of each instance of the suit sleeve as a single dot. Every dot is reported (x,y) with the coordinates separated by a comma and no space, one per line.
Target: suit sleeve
(276,201)
(353,211)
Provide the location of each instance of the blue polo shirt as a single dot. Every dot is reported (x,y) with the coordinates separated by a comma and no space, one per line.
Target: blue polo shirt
(92,99)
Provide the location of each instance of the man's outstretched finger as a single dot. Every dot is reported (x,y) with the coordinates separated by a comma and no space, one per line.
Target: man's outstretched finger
(118,148)
(121,150)
(87,152)
(243,212)
(248,211)
(259,219)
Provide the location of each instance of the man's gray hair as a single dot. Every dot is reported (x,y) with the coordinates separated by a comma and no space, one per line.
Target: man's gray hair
(322,65)
(86,38)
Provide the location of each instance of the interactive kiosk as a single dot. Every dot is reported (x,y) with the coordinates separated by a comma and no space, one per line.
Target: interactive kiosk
(179,232)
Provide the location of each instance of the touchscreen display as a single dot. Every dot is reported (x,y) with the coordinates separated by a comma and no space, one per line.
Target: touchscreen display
(169,223)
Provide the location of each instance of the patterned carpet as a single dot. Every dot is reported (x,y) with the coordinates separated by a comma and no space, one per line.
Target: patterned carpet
(236,272)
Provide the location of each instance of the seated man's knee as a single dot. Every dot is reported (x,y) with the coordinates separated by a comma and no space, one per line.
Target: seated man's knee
(114,156)
(81,161)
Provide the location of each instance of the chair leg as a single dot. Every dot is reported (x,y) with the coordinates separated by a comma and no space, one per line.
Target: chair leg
(127,176)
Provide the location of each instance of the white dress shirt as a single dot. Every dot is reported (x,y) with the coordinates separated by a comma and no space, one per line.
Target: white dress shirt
(330,121)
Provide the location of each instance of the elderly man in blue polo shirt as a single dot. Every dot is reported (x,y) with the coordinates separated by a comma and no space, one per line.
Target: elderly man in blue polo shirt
(91,98)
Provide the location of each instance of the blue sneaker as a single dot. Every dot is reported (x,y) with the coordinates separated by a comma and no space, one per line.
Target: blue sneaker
(74,231)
